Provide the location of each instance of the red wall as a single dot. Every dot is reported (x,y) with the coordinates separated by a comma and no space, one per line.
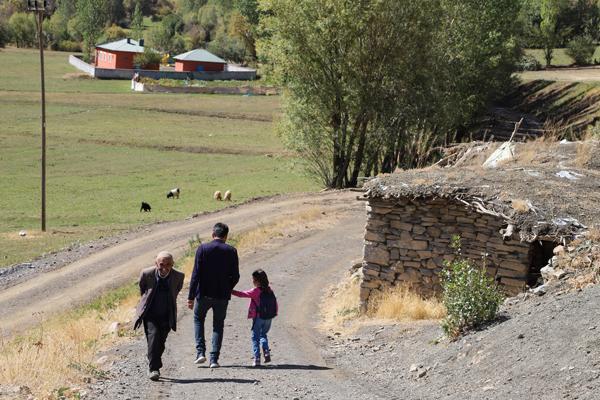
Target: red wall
(191,66)
(117,60)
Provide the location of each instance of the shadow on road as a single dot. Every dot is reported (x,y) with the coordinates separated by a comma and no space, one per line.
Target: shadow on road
(208,380)
(280,366)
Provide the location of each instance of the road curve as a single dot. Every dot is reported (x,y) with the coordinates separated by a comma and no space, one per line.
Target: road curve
(45,294)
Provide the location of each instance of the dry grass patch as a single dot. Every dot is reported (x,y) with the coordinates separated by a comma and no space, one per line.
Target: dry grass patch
(309,219)
(401,303)
(341,311)
(341,304)
(58,357)
(521,206)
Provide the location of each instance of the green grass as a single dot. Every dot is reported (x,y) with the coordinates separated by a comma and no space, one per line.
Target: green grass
(559,57)
(109,149)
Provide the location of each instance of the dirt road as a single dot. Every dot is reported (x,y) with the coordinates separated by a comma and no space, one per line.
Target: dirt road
(300,270)
(583,74)
(43,294)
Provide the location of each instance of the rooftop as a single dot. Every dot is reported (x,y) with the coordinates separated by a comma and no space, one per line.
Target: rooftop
(126,45)
(545,189)
(199,55)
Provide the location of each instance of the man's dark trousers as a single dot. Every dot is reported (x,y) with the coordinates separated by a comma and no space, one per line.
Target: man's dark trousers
(219,308)
(156,336)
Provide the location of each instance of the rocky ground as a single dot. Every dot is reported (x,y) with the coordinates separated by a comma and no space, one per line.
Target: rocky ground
(542,347)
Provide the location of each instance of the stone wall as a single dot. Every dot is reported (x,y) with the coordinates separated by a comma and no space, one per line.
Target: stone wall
(407,241)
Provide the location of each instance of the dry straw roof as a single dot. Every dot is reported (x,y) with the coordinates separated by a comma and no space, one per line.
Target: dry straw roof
(546,190)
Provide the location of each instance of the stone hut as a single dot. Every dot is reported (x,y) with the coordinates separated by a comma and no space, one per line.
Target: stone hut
(509,218)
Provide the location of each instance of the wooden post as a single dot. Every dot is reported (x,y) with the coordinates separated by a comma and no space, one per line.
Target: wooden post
(40,7)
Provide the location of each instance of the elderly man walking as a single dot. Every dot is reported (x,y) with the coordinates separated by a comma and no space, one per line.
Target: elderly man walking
(216,272)
(157,309)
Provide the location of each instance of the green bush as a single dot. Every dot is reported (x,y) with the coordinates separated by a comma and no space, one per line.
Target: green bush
(470,295)
(147,58)
(69,45)
(529,63)
(581,49)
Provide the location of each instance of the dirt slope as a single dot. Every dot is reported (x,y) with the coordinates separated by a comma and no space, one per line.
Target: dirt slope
(41,295)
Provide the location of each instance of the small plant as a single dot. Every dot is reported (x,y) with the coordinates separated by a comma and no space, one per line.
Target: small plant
(581,49)
(528,63)
(470,296)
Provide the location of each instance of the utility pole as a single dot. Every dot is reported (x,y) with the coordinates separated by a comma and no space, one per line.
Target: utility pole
(40,8)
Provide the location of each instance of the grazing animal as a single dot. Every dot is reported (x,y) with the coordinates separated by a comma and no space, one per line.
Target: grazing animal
(173,193)
(145,207)
(217,195)
(227,195)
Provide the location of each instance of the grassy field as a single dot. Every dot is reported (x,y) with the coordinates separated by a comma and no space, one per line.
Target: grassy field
(109,149)
(559,57)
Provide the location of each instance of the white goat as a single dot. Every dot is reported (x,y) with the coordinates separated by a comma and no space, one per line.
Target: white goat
(217,195)
(227,195)
(173,193)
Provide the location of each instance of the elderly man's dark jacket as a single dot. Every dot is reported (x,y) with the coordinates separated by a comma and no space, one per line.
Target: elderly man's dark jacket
(147,285)
(216,271)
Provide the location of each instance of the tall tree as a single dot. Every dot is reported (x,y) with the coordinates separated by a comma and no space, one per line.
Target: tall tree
(137,22)
(550,34)
(373,83)
(92,16)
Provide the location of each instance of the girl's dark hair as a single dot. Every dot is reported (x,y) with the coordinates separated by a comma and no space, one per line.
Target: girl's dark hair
(261,278)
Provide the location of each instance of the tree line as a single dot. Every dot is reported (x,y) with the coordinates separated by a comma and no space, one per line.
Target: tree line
(224,27)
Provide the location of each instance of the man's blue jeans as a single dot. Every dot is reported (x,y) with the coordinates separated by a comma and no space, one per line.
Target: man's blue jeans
(219,307)
(260,328)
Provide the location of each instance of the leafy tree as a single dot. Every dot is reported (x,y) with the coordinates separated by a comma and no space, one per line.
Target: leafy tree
(92,16)
(4,34)
(550,34)
(137,22)
(375,84)
(23,29)
(208,19)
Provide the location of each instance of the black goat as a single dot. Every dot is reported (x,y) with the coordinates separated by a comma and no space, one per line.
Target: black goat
(145,207)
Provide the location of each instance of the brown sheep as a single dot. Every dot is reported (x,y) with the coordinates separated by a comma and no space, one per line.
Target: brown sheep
(217,195)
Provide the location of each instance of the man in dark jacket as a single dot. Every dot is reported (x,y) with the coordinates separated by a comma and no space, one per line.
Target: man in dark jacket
(216,272)
(157,309)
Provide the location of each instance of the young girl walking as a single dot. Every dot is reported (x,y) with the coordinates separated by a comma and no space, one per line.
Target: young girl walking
(263,308)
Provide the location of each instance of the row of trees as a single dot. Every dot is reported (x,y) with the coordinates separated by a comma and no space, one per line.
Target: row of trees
(377,84)
(225,27)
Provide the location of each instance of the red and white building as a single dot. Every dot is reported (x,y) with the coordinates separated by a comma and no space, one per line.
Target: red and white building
(199,60)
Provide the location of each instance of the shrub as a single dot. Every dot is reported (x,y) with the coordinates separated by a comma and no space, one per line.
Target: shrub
(69,45)
(112,33)
(147,58)
(581,49)
(470,296)
(529,63)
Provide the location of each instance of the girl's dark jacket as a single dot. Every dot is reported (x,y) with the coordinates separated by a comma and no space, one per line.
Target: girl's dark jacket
(147,283)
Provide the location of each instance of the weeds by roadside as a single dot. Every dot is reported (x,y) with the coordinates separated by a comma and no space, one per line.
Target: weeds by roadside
(470,295)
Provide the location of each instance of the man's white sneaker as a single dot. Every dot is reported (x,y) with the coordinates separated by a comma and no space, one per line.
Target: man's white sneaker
(200,359)
(154,375)
(214,364)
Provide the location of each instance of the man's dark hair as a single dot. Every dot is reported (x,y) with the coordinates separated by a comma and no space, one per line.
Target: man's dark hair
(220,230)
